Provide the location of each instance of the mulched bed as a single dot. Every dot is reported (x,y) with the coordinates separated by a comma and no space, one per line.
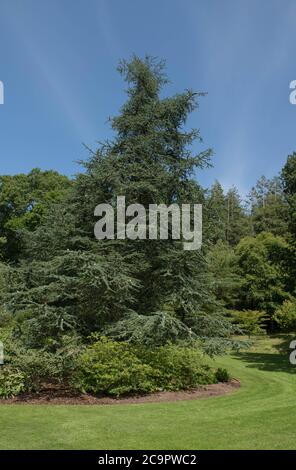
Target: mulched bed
(54,395)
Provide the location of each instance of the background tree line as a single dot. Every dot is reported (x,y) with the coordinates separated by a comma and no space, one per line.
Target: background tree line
(249,246)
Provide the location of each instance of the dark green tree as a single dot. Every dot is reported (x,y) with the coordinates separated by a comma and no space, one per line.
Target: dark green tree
(216,213)
(288,180)
(223,268)
(262,267)
(237,222)
(137,290)
(24,201)
(225,216)
(269,209)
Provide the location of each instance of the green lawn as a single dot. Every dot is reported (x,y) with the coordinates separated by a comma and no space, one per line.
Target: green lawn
(260,415)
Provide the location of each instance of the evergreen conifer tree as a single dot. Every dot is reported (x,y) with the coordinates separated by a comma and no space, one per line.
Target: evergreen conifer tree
(145,291)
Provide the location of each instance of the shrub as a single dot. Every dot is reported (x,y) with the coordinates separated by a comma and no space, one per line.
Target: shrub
(39,366)
(105,367)
(285,316)
(222,375)
(177,367)
(113,368)
(251,322)
(12,382)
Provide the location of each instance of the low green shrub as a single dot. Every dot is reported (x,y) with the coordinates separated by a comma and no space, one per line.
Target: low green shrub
(285,316)
(38,366)
(222,375)
(113,368)
(251,322)
(12,382)
(105,367)
(177,367)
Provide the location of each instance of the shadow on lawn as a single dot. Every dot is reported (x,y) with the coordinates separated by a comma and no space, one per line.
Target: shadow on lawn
(268,361)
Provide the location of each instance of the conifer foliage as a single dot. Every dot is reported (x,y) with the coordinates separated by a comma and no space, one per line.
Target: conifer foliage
(144,291)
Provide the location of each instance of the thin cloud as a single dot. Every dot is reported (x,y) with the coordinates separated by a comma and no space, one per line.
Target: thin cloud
(53,75)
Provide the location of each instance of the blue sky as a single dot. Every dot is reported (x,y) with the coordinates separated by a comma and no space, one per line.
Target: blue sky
(58,63)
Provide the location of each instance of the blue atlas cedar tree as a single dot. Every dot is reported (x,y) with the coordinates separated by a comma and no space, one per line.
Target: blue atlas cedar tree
(144,291)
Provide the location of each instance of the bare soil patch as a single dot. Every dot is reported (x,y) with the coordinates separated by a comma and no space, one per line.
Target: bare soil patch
(55,395)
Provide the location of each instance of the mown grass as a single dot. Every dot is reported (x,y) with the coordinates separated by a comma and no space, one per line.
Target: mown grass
(260,415)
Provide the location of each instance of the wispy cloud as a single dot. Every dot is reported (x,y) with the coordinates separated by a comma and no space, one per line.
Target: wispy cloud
(234,50)
(53,73)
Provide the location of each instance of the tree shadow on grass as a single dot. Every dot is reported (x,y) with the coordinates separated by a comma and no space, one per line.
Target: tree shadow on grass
(283,347)
(268,361)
